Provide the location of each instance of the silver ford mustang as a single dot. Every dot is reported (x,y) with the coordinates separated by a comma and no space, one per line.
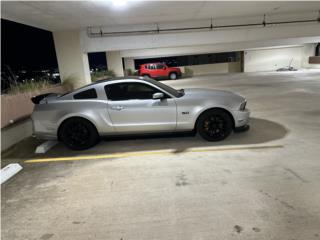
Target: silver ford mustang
(136,106)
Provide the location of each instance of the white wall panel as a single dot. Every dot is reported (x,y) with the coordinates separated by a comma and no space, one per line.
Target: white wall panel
(272,59)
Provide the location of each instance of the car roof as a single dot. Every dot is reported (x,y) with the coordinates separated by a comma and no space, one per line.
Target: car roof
(117,79)
(111,79)
(152,63)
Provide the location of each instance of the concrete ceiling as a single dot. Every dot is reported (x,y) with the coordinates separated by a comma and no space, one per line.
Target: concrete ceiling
(65,15)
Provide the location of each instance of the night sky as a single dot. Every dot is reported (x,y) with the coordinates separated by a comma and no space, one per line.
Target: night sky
(97,59)
(28,48)
(25,47)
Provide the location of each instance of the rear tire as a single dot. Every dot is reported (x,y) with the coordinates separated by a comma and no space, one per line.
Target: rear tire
(173,76)
(78,134)
(214,125)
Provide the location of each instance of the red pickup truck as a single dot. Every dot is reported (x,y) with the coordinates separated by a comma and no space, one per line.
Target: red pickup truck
(159,70)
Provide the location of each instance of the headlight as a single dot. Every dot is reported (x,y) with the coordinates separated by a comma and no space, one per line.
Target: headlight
(243,106)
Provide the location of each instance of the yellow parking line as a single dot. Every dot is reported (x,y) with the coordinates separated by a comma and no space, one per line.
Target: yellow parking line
(135,154)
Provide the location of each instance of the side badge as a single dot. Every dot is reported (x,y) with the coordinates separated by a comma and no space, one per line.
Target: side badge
(184,113)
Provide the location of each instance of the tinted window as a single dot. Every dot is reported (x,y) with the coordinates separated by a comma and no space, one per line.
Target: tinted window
(87,94)
(152,67)
(127,91)
(160,66)
(166,88)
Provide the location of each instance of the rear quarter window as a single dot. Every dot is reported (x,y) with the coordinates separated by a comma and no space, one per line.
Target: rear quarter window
(87,94)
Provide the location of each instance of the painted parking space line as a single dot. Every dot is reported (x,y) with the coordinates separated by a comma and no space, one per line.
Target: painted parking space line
(145,153)
(93,157)
(9,171)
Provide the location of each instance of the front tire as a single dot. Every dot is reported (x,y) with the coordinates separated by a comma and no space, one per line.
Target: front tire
(173,76)
(78,134)
(214,125)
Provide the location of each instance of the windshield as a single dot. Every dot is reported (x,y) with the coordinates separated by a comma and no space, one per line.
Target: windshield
(172,91)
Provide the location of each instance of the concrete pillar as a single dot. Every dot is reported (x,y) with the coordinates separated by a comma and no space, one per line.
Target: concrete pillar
(308,50)
(72,61)
(114,62)
(129,63)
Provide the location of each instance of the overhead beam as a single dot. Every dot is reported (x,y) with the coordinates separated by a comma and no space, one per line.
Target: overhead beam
(220,37)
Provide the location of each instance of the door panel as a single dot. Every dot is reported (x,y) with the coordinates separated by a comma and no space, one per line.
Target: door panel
(143,115)
(160,70)
(132,108)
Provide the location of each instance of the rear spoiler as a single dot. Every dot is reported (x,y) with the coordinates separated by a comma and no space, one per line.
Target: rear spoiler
(37,99)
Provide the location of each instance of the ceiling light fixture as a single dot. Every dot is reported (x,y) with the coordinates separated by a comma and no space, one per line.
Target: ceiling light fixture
(119,3)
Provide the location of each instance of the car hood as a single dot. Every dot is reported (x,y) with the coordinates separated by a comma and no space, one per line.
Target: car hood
(199,93)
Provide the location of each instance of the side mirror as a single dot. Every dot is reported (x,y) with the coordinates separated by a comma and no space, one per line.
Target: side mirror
(158,95)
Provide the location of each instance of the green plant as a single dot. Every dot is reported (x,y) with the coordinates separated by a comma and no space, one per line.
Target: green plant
(188,72)
(30,86)
(69,83)
(110,73)
(131,72)
(98,75)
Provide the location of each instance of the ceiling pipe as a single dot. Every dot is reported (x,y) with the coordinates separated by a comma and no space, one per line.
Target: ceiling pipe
(211,27)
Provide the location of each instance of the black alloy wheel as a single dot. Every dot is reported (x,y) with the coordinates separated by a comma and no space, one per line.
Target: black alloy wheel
(214,125)
(78,134)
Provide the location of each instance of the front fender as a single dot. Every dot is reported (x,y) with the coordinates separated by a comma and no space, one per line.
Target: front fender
(210,107)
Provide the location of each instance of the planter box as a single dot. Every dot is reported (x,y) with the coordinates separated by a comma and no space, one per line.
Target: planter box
(19,106)
(314,60)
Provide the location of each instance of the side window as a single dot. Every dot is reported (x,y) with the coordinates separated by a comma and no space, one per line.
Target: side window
(87,94)
(160,66)
(152,67)
(127,91)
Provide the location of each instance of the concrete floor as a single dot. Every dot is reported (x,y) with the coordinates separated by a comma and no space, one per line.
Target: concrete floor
(192,192)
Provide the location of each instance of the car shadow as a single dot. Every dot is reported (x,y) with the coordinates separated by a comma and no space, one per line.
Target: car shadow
(261,131)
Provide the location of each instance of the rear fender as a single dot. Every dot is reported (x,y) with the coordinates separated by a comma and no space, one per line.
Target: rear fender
(75,115)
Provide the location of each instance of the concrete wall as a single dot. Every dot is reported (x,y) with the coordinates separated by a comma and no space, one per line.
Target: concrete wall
(73,62)
(204,69)
(15,133)
(308,51)
(23,106)
(114,62)
(272,59)
(234,67)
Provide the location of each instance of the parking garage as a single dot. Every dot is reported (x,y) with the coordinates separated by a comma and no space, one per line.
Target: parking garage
(258,184)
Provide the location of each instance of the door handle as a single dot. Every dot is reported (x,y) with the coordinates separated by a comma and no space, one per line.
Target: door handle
(118,108)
